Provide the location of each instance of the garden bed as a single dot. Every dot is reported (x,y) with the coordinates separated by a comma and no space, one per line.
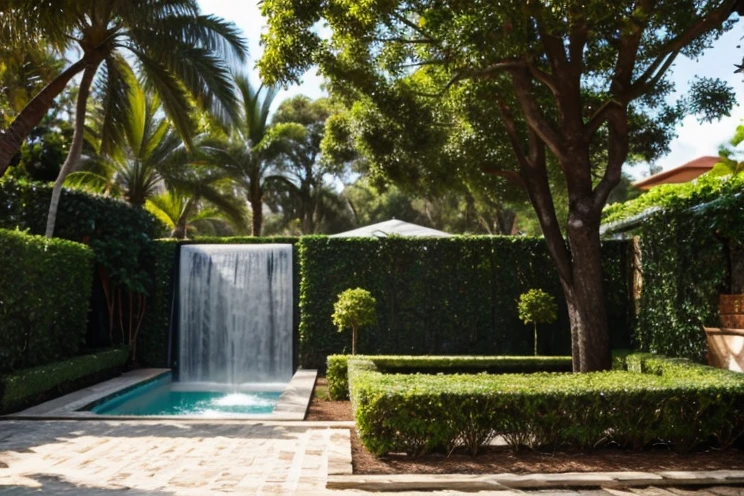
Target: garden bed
(503,460)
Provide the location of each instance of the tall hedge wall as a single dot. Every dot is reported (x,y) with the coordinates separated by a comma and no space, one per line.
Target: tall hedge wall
(46,286)
(447,296)
(119,235)
(685,252)
(153,337)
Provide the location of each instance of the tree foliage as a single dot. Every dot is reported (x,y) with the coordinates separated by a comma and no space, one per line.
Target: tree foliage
(354,308)
(537,307)
(537,90)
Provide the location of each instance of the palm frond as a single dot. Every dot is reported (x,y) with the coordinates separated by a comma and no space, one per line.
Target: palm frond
(87,181)
(174,98)
(115,84)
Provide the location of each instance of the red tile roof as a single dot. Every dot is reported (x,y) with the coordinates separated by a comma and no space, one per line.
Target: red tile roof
(681,174)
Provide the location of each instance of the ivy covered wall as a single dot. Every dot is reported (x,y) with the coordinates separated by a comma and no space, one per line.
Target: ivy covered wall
(687,249)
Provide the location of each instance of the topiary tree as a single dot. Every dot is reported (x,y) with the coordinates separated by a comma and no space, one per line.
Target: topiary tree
(354,308)
(538,307)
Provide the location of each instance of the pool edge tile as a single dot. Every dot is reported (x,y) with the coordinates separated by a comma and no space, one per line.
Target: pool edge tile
(291,406)
(70,404)
(294,401)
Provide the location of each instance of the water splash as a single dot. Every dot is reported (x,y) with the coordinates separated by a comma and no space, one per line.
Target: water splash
(235,313)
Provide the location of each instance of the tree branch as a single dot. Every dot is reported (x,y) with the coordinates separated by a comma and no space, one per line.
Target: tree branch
(617,118)
(534,116)
(713,20)
(534,178)
(512,176)
(547,79)
(649,79)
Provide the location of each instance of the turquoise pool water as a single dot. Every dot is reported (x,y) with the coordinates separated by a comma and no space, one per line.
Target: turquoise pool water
(164,397)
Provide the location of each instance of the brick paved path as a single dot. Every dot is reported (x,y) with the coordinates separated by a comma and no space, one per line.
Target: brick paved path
(108,458)
(138,458)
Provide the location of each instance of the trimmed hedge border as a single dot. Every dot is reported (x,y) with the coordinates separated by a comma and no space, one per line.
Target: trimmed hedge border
(24,388)
(337,371)
(46,286)
(656,399)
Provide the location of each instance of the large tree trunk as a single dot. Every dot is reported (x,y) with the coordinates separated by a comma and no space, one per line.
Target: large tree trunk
(76,147)
(580,268)
(590,309)
(12,138)
(583,288)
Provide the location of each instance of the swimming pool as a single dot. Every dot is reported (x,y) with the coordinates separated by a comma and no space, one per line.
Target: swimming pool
(165,397)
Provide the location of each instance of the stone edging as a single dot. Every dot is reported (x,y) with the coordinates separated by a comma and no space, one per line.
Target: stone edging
(340,477)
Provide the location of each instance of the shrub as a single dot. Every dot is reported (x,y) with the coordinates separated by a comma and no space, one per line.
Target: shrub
(538,307)
(451,296)
(337,372)
(27,387)
(354,308)
(46,286)
(672,401)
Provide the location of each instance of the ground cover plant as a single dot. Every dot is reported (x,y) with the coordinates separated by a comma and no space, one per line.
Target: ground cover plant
(655,399)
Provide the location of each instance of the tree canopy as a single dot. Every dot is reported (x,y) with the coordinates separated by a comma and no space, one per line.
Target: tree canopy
(518,90)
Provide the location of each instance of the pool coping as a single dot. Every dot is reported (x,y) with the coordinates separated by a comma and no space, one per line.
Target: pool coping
(291,405)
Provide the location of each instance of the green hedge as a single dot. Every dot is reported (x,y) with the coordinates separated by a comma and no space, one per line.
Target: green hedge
(152,341)
(686,252)
(450,296)
(46,285)
(23,388)
(675,402)
(338,381)
(119,235)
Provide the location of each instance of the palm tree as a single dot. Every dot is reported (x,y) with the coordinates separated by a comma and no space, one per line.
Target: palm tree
(179,53)
(250,151)
(175,48)
(185,215)
(149,158)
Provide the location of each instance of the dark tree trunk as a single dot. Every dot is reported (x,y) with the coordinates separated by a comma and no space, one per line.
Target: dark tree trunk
(588,290)
(12,138)
(76,147)
(256,201)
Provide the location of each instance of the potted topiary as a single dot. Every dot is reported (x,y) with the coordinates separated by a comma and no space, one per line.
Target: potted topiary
(354,308)
(538,307)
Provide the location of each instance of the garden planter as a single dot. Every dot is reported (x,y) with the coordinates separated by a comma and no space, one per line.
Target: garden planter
(725,348)
(731,310)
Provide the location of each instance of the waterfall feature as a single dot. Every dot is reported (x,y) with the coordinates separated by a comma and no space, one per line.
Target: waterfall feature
(235,314)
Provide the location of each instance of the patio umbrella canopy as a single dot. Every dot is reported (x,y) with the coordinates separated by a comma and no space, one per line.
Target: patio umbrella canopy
(392,227)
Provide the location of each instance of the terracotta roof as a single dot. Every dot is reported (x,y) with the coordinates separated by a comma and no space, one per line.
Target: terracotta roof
(682,174)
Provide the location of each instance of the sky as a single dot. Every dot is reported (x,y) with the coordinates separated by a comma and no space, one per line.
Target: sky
(693,139)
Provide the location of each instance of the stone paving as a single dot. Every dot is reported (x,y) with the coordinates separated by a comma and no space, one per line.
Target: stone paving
(144,457)
(140,458)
